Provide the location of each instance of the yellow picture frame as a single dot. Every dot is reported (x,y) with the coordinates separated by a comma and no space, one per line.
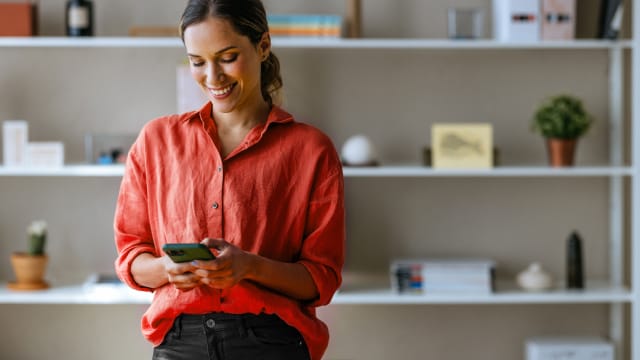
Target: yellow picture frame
(462,146)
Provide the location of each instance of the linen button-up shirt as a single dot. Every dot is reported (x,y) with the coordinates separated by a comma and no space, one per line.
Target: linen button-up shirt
(279,194)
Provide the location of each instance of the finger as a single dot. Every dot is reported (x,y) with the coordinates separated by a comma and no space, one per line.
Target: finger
(186,278)
(178,269)
(212,265)
(218,282)
(218,244)
(206,273)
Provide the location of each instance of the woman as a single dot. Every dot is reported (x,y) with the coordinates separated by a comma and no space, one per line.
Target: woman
(263,191)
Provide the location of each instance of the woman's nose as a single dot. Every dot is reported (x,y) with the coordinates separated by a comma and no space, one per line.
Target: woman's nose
(215,73)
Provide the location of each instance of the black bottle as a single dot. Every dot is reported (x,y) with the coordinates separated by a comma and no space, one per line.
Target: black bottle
(575,274)
(79,18)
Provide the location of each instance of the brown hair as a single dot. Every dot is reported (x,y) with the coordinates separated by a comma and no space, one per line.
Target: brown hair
(248,18)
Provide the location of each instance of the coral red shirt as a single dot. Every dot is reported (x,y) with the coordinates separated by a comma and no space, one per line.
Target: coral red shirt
(279,194)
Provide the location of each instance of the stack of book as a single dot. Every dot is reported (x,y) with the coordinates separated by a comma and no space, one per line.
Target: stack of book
(443,276)
(305,25)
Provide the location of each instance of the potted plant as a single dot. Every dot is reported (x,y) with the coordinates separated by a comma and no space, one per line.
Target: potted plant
(29,267)
(562,119)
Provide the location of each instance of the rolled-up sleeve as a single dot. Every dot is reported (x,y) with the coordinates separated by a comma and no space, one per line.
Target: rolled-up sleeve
(131,221)
(323,247)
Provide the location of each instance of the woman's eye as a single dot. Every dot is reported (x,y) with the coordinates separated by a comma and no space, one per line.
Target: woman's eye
(229,58)
(197,63)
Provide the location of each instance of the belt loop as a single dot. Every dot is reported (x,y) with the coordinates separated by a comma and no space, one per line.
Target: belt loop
(242,327)
(179,326)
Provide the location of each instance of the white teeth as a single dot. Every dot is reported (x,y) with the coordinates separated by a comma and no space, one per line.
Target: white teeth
(222,91)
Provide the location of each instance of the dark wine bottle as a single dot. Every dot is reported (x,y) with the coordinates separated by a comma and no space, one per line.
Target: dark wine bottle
(575,271)
(79,18)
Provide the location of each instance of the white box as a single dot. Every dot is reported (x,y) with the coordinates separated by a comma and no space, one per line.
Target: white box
(569,348)
(46,154)
(516,20)
(15,134)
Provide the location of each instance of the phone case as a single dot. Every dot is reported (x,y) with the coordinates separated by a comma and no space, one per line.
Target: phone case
(187,252)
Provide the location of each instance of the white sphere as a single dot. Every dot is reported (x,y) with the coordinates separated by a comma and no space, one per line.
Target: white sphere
(358,150)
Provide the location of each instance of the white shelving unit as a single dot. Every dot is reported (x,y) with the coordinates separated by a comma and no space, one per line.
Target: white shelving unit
(381,171)
(611,291)
(596,292)
(508,171)
(286,43)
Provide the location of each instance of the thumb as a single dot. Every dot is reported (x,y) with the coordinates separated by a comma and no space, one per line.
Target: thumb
(218,244)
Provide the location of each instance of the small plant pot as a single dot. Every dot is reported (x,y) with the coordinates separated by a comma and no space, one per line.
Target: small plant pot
(561,152)
(29,271)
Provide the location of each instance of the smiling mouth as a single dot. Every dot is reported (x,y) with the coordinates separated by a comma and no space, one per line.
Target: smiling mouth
(222,91)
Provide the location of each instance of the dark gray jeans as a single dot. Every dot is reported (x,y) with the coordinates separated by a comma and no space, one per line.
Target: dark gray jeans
(218,336)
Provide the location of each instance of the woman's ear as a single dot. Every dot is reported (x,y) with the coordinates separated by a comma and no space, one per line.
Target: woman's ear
(264,46)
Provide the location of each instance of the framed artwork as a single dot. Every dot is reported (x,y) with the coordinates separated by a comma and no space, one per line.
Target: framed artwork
(462,146)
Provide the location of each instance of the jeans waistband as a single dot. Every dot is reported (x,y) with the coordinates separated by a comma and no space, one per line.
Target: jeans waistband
(225,322)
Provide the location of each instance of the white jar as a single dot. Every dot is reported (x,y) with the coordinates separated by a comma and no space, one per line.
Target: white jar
(535,278)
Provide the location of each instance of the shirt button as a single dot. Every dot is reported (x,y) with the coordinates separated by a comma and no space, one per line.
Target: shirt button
(219,168)
(211,323)
(215,205)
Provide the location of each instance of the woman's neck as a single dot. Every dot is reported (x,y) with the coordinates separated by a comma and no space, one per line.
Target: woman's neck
(242,118)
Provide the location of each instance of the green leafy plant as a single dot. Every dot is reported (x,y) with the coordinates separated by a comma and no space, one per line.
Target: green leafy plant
(562,117)
(37,232)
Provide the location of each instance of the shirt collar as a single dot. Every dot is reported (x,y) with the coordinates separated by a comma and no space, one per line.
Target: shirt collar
(276,116)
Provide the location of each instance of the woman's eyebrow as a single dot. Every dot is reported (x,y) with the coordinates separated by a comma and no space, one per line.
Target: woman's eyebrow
(217,52)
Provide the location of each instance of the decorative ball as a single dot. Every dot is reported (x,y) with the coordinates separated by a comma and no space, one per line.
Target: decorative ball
(358,151)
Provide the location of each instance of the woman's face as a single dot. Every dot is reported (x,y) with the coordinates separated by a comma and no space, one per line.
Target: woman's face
(226,64)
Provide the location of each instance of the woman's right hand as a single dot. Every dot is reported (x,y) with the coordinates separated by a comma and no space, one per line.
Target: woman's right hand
(180,275)
(154,272)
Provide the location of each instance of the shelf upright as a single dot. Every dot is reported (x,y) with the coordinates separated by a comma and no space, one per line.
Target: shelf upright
(616,192)
(634,347)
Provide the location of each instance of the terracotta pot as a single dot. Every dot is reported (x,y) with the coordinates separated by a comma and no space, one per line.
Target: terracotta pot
(29,271)
(561,152)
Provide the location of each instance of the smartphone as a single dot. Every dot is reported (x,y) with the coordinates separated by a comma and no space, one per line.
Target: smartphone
(180,253)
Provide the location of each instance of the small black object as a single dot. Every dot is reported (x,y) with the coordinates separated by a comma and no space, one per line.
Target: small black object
(79,18)
(575,274)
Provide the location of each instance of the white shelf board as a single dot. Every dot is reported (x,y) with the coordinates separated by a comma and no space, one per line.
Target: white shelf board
(308,43)
(350,171)
(75,294)
(596,292)
(507,171)
(67,170)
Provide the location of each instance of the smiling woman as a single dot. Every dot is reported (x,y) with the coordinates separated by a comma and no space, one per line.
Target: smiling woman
(265,193)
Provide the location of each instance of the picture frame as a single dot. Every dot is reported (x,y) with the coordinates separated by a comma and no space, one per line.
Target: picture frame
(462,146)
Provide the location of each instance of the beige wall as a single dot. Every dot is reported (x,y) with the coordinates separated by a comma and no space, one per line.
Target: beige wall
(393,96)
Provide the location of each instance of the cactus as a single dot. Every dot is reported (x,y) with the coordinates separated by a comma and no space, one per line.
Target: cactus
(37,238)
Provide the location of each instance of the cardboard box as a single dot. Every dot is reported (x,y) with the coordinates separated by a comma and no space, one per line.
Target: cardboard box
(15,134)
(558,19)
(18,19)
(45,154)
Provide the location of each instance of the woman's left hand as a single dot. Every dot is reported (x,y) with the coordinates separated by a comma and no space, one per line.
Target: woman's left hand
(231,265)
